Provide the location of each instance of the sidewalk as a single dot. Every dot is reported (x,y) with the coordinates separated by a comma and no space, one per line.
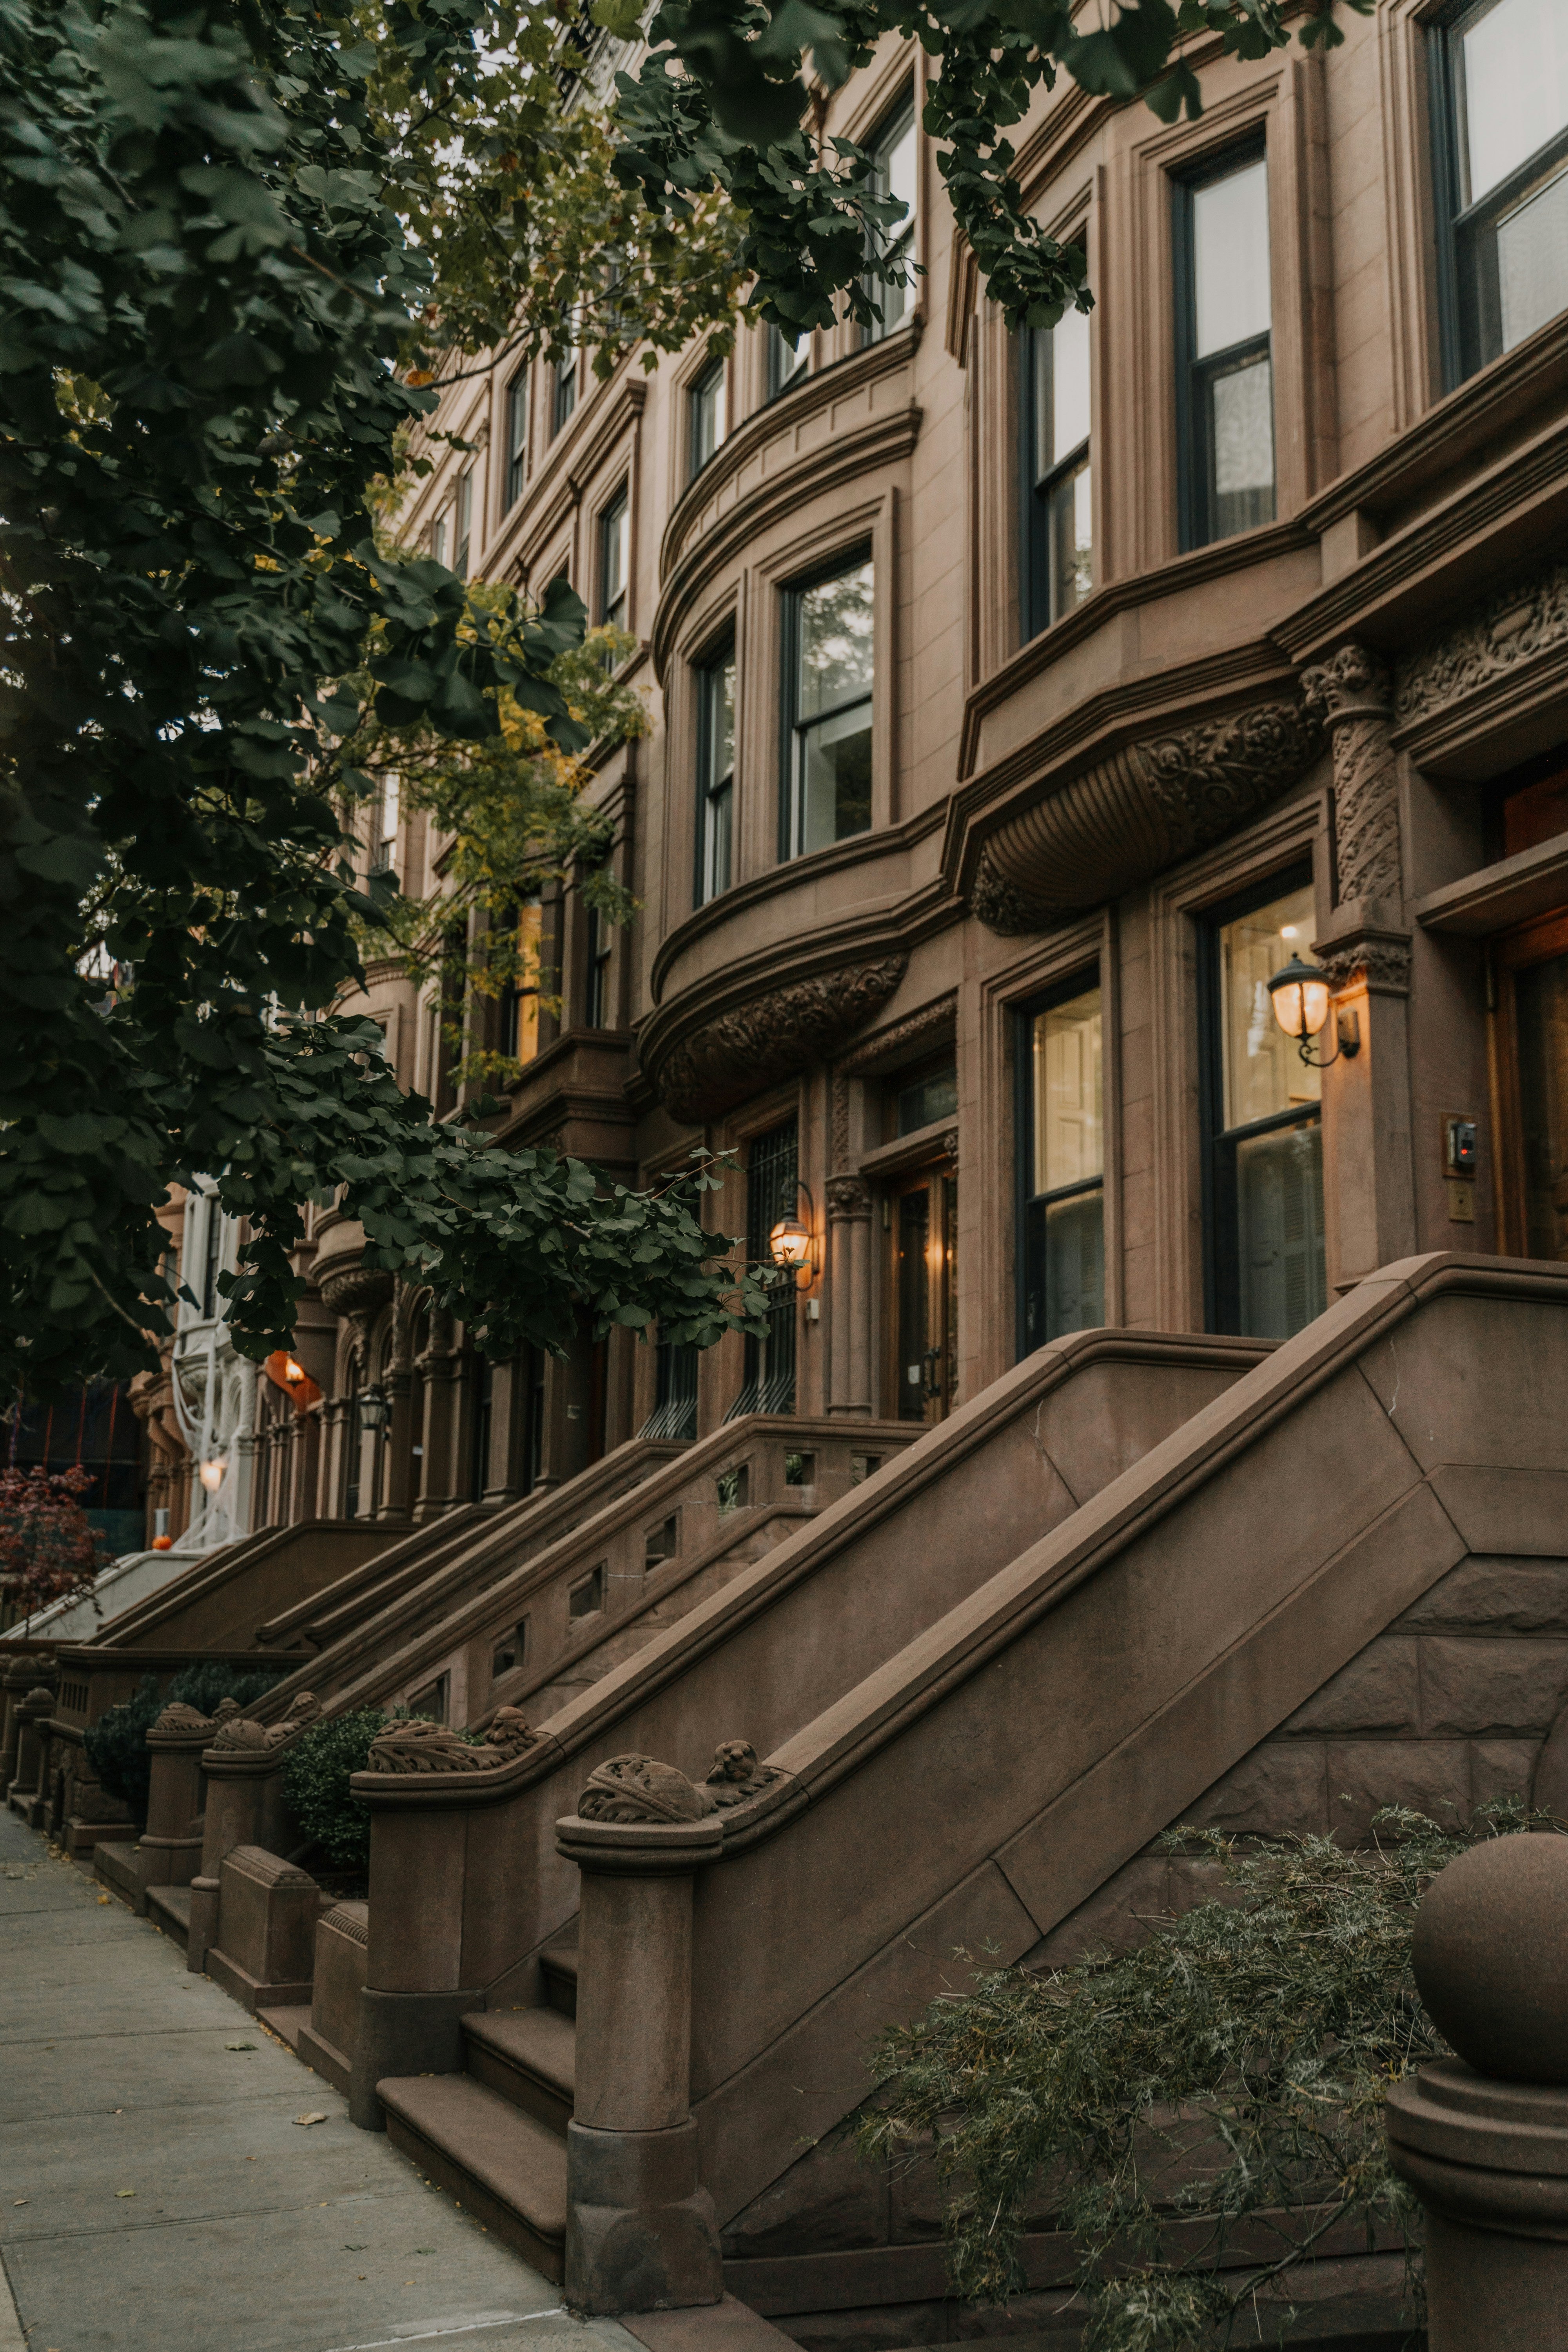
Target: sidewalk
(156,2192)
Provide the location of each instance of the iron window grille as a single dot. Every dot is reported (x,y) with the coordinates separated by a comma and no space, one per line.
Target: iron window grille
(674,1410)
(772,1188)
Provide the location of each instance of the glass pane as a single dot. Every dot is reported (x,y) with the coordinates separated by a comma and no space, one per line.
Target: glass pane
(1542,998)
(1515,70)
(1069,1145)
(1061,390)
(786,360)
(923,1101)
(835,778)
(716,860)
(1279,1230)
(710,415)
(720,721)
(1533,262)
(914,1302)
(836,621)
(1231,259)
(1074,1239)
(1242,426)
(1264,1072)
(1072,540)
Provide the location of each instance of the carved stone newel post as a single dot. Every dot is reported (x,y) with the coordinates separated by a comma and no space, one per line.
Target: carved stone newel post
(1368,1167)
(169,1852)
(1482,2139)
(641,2230)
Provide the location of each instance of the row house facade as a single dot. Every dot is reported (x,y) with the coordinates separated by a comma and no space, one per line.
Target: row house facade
(1021,705)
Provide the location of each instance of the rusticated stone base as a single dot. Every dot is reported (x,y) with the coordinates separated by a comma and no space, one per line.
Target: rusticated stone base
(641,2235)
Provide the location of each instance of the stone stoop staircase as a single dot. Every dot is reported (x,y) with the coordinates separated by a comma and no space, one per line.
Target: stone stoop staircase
(495,2136)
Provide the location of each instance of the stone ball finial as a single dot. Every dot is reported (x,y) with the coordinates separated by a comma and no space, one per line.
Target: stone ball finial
(1488,1955)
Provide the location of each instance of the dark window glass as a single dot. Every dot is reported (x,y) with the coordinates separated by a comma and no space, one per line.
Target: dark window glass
(1262,1104)
(597,1007)
(1226,379)
(921,1101)
(516,436)
(565,389)
(465,524)
(1058,522)
(709,412)
(715,776)
(829,668)
(534,1361)
(519,997)
(1502,121)
(615,562)
(1062,1152)
(586,1599)
(895,152)
(786,361)
(482,1377)
(772,1189)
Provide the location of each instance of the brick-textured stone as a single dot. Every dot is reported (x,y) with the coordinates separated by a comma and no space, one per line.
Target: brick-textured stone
(1430,1776)
(1481,1685)
(1279,1787)
(1506,1596)
(1378,1691)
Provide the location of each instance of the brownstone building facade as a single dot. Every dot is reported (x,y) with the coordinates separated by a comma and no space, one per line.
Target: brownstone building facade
(1021,706)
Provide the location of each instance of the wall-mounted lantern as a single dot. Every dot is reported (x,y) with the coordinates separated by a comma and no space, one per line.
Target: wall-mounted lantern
(375,1412)
(790,1243)
(1302,995)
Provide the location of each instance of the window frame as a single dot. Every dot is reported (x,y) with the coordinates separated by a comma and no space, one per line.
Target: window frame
(1091,973)
(563,389)
(716,374)
(616,532)
(1038,584)
(779,381)
(598,948)
(793,593)
(1222,1271)
(903,115)
(718,657)
(1461,342)
(516,411)
(1195,494)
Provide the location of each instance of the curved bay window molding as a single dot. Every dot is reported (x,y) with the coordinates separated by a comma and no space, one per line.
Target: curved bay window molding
(1144,807)
(770,1037)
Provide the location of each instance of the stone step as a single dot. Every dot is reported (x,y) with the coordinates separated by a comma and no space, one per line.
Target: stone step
(114,1862)
(169,1907)
(559,1962)
(286,2023)
(530,2056)
(502,2165)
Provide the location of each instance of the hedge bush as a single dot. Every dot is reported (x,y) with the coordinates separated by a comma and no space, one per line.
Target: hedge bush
(116,1744)
(316,1769)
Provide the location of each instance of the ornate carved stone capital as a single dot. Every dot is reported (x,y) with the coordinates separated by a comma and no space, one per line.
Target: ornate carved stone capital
(1376,960)
(1351,692)
(771,1037)
(1139,811)
(640,1788)
(178,1717)
(1517,624)
(950,1145)
(241,1734)
(1349,684)
(420,1747)
(847,1197)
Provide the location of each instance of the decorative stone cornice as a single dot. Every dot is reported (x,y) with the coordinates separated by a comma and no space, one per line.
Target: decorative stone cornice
(1139,811)
(770,1037)
(1352,684)
(1516,626)
(420,1747)
(1376,960)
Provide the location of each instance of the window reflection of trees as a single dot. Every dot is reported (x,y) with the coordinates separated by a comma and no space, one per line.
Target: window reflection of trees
(835,635)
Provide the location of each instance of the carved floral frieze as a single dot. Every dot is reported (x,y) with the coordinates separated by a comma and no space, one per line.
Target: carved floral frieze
(641,1789)
(1515,626)
(418,1746)
(1139,811)
(771,1036)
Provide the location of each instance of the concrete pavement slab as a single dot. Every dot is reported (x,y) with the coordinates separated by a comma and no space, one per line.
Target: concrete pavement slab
(158,2190)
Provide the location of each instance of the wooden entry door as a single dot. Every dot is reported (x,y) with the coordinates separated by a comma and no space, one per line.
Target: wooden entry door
(922,1221)
(1531,1071)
